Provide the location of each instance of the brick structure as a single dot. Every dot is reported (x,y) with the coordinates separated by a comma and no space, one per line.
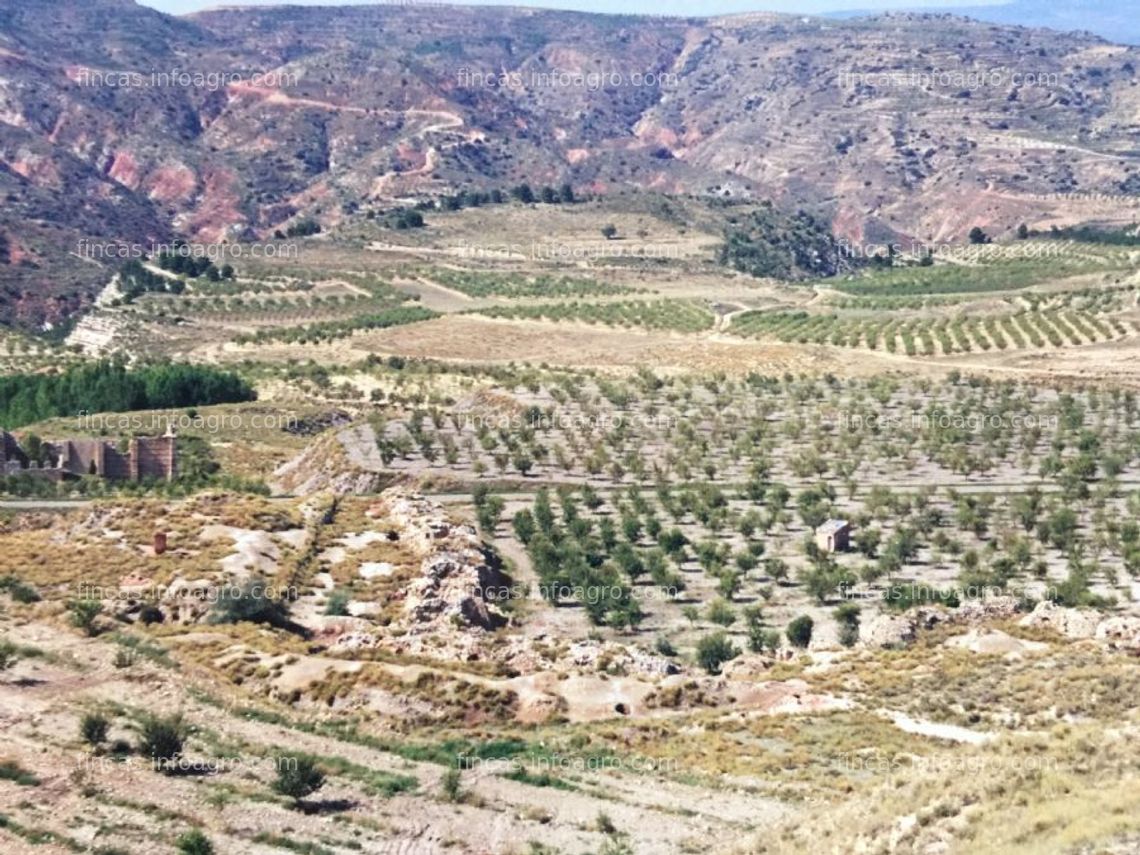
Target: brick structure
(80,457)
(152,457)
(146,457)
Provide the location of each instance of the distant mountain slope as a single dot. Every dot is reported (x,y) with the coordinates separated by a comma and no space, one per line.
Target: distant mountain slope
(366,105)
(1114,20)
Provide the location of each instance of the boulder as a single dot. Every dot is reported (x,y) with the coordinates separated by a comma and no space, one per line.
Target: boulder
(888,631)
(1120,632)
(987,608)
(450,587)
(1071,623)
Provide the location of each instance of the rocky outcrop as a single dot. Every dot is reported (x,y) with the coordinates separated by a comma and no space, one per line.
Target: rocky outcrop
(597,655)
(987,608)
(888,631)
(458,576)
(1071,623)
(339,461)
(423,524)
(1122,633)
(96,334)
(188,600)
(449,592)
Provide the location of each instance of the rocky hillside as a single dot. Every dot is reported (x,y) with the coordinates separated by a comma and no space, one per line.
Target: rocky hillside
(120,124)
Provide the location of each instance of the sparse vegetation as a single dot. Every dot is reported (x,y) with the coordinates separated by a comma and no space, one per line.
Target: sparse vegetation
(93,728)
(161,739)
(298,777)
(84,614)
(194,842)
(12,771)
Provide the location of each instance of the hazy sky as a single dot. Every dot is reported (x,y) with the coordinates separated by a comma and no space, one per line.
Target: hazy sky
(656,7)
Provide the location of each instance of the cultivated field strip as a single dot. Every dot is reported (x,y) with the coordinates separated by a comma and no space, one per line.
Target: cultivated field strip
(934,336)
(674,315)
(515,285)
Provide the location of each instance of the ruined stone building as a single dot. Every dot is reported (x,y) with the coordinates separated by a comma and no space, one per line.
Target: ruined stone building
(145,457)
(12,457)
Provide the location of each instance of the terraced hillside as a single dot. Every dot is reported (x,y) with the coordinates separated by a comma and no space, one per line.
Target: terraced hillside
(204,129)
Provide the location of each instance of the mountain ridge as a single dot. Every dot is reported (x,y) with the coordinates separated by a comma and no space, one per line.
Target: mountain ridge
(372,106)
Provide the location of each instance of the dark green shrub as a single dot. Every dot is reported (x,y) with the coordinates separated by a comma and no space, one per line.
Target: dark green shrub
(847,616)
(337,603)
(297,777)
(450,785)
(799,631)
(84,613)
(162,739)
(93,728)
(248,602)
(714,650)
(194,842)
